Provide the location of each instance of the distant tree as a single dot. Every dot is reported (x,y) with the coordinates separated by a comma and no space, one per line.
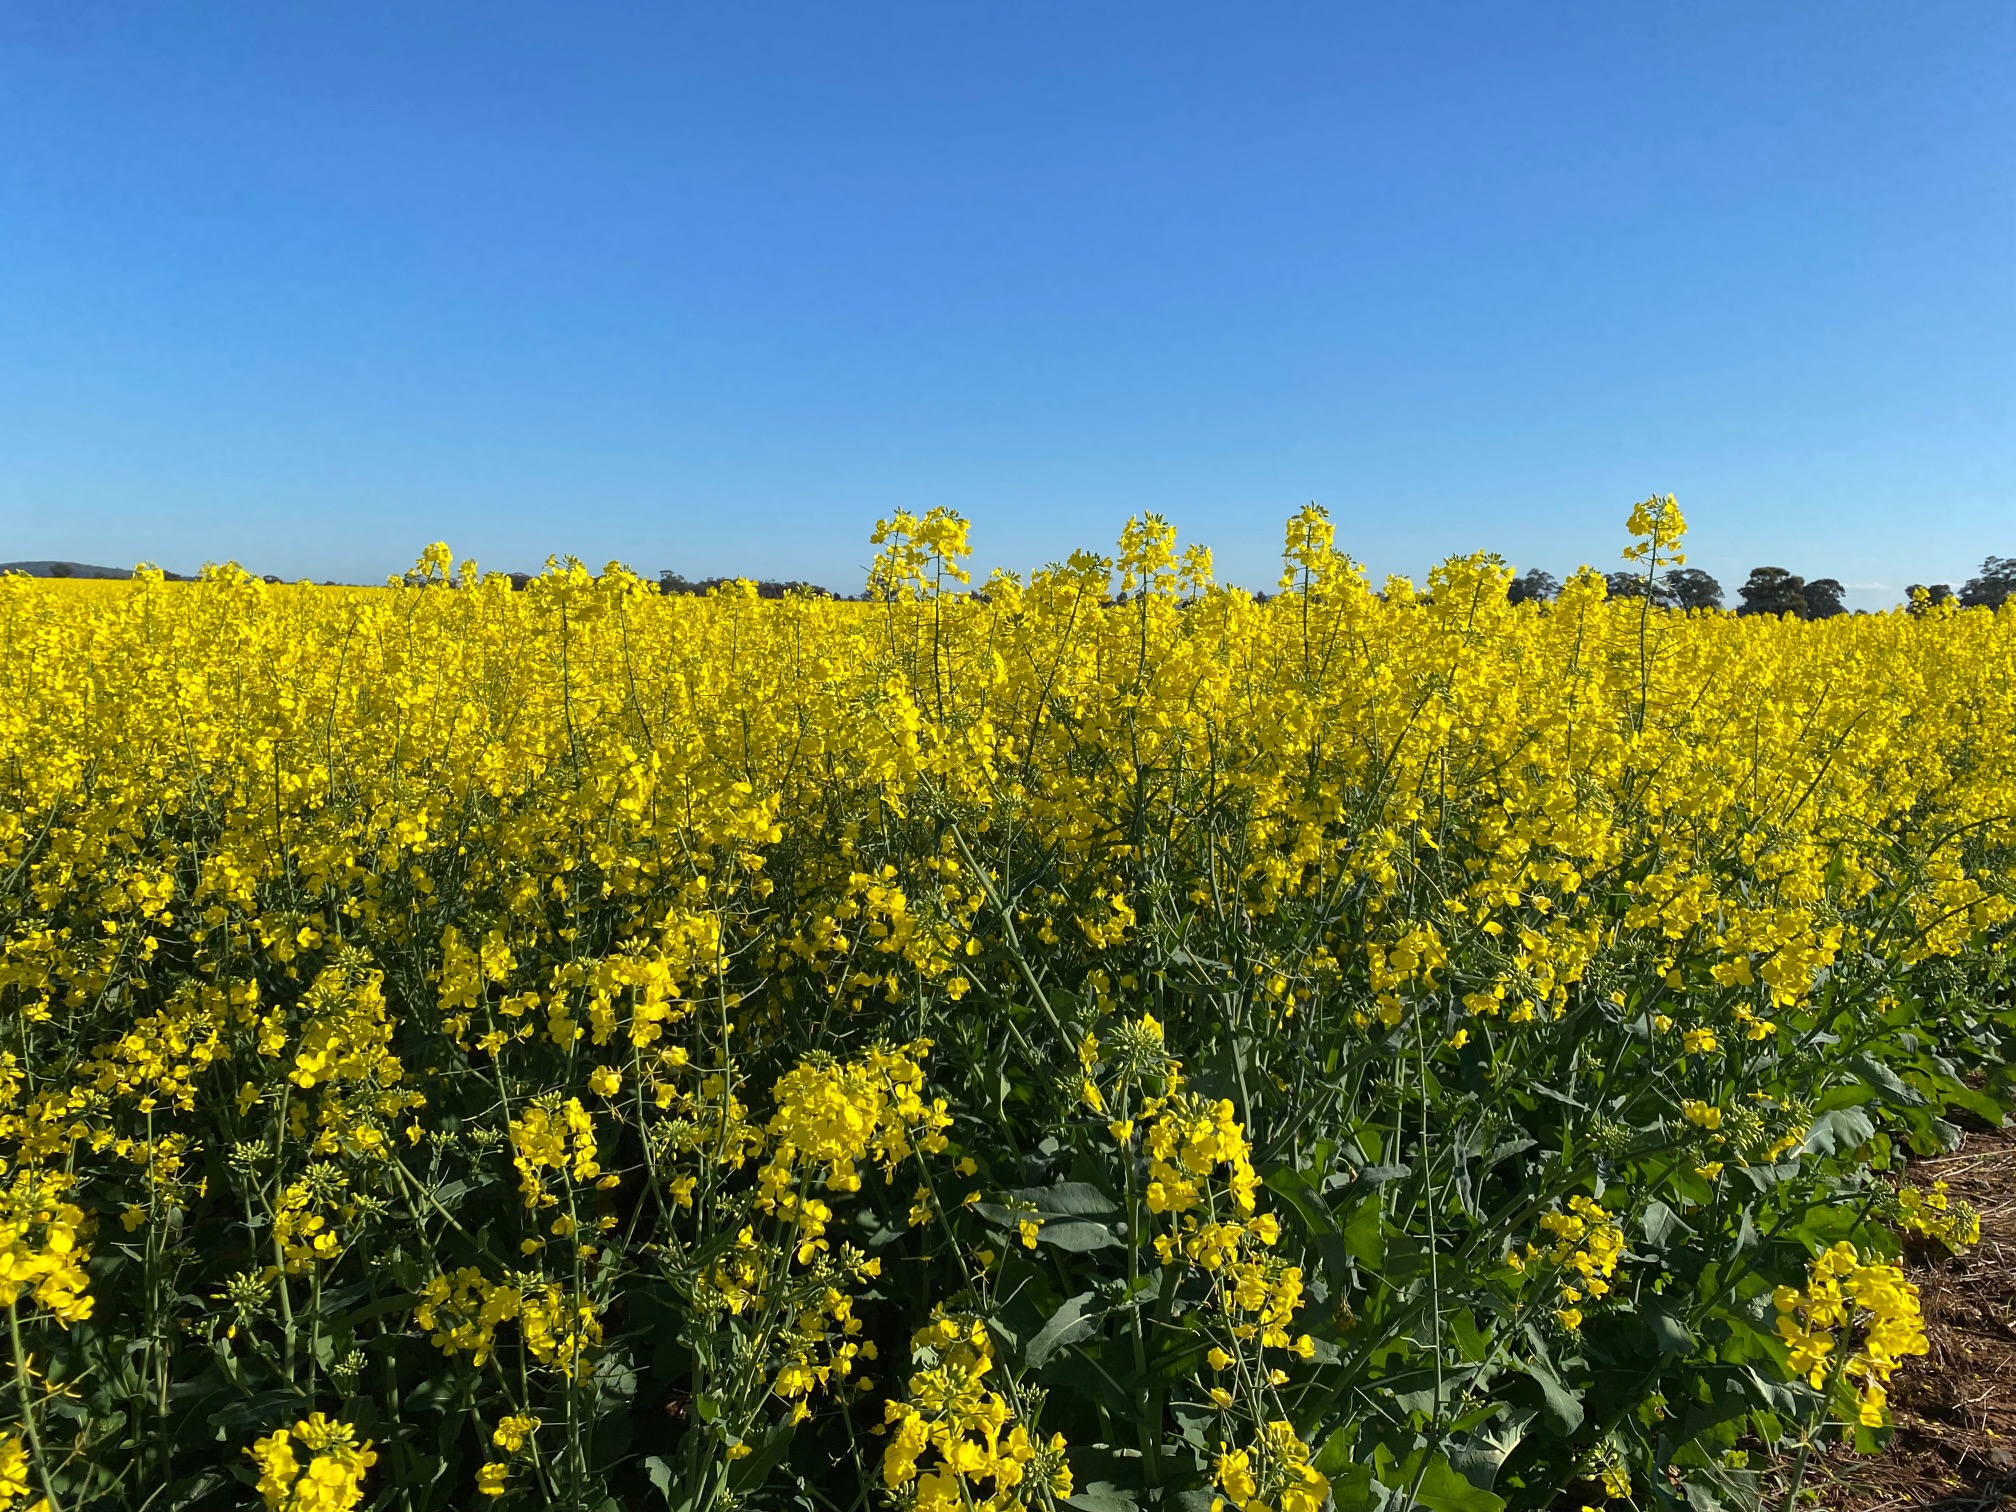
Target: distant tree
(674,582)
(1937,593)
(1772,590)
(1994,587)
(1691,588)
(1625,584)
(1533,586)
(1823,599)
(61,569)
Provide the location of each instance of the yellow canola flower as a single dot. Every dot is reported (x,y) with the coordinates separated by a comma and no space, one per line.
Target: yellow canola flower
(515,1432)
(42,1248)
(14,1468)
(1844,1293)
(330,1479)
(1935,1215)
(557,1136)
(955,1442)
(1271,1475)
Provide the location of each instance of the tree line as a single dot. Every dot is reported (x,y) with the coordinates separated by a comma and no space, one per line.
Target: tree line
(1775,590)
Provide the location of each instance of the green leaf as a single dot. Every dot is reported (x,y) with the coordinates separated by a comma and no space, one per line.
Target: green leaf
(255,1412)
(1406,1256)
(1716,1489)
(1102,1496)
(1662,1225)
(1669,1334)
(1074,1234)
(1886,1081)
(1072,1199)
(1066,1326)
(1839,1131)
(1335,1454)
(1491,1444)
(400,1302)
(1195,1427)
(1783,1397)
(1561,1407)
(1365,1179)
(1556,1095)
(1379,1175)
(1844,1095)
(1365,1235)
(661,1475)
(1352,1489)
(1469,1338)
(1980,1104)
(1444,1489)
(746,1474)
(1078,1236)
(1319,1224)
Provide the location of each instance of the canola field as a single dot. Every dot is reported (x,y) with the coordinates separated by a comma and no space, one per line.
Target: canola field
(1104,1040)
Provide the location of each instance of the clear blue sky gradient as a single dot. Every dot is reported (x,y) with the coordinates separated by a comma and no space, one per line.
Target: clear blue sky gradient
(710,287)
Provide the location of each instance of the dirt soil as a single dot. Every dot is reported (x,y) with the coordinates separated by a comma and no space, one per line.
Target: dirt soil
(1955,1447)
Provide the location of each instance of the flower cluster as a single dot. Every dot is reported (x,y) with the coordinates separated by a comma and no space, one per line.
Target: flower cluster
(919,553)
(513,1437)
(821,1340)
(344,1033)
(331,1480)
(1186,1138)
(1586,1245)
(1844,1292)
(462,1312)
(975,1451)
(1935,1215)
(1273,1474)
(14,1473)
(42,1250)
(553,1136)
(831,1116)
(309,1217)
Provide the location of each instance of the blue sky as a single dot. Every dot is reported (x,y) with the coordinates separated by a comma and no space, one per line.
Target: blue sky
(710,287)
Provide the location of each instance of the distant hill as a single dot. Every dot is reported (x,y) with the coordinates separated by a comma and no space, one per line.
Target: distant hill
(66,569)
(77,570)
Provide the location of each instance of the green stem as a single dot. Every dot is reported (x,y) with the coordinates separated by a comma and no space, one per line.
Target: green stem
(1798,1475)
(28,1409)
